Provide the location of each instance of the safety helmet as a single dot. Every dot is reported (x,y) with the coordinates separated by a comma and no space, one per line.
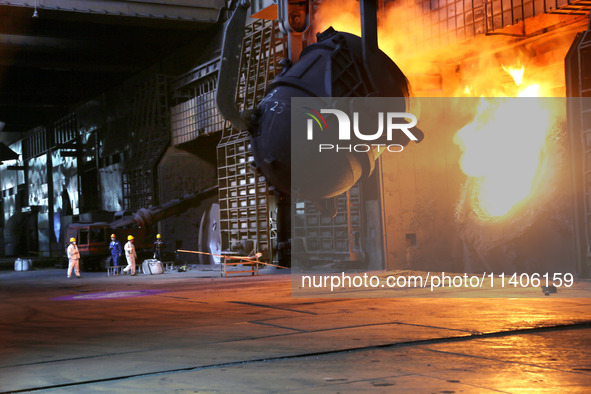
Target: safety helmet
(112,235)
(158,236)
(130,237)
(72,239)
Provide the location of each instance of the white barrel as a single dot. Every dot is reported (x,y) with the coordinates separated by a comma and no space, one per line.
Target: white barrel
(22,264)
(152,267)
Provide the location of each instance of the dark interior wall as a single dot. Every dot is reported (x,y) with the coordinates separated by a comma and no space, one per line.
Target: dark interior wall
(420,187)
(206,45)
(181,173)
(371,233)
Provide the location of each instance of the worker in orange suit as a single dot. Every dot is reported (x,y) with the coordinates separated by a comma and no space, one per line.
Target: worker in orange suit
(73,258)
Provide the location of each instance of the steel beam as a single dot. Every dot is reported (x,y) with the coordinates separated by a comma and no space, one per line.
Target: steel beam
(183,10)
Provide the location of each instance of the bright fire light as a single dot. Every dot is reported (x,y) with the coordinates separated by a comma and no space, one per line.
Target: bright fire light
(502,149)
(503,157)
(516,73)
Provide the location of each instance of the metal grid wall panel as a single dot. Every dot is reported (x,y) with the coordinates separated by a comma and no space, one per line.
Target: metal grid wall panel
(196,117)
(65,129)
(36,143)
(263,48)
(327,238)
(194,112)
(150,135)
(207,11)
(247,208)
(437,22)
(244,198)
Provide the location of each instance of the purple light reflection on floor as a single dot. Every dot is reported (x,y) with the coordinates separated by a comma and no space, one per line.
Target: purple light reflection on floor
(109,295)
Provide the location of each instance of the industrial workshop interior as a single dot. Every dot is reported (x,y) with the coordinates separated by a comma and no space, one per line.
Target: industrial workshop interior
(194,196)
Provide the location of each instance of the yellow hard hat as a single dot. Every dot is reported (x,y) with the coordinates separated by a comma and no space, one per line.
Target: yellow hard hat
(72,239)
(112,235)
(130,237)
(158,236)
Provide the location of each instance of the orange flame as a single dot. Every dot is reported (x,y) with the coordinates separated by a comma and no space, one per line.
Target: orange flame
(502,151)
(502,159)
(516,73)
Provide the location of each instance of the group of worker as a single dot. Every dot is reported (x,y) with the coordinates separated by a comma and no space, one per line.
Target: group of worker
(130,255)
(116,253)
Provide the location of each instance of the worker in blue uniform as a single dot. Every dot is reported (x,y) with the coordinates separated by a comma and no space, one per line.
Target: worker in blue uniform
(115,248)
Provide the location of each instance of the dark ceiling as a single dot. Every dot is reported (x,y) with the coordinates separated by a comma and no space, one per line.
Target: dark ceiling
(59,59)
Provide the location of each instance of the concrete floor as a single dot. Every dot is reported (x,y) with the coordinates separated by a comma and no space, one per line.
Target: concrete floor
(197,332)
